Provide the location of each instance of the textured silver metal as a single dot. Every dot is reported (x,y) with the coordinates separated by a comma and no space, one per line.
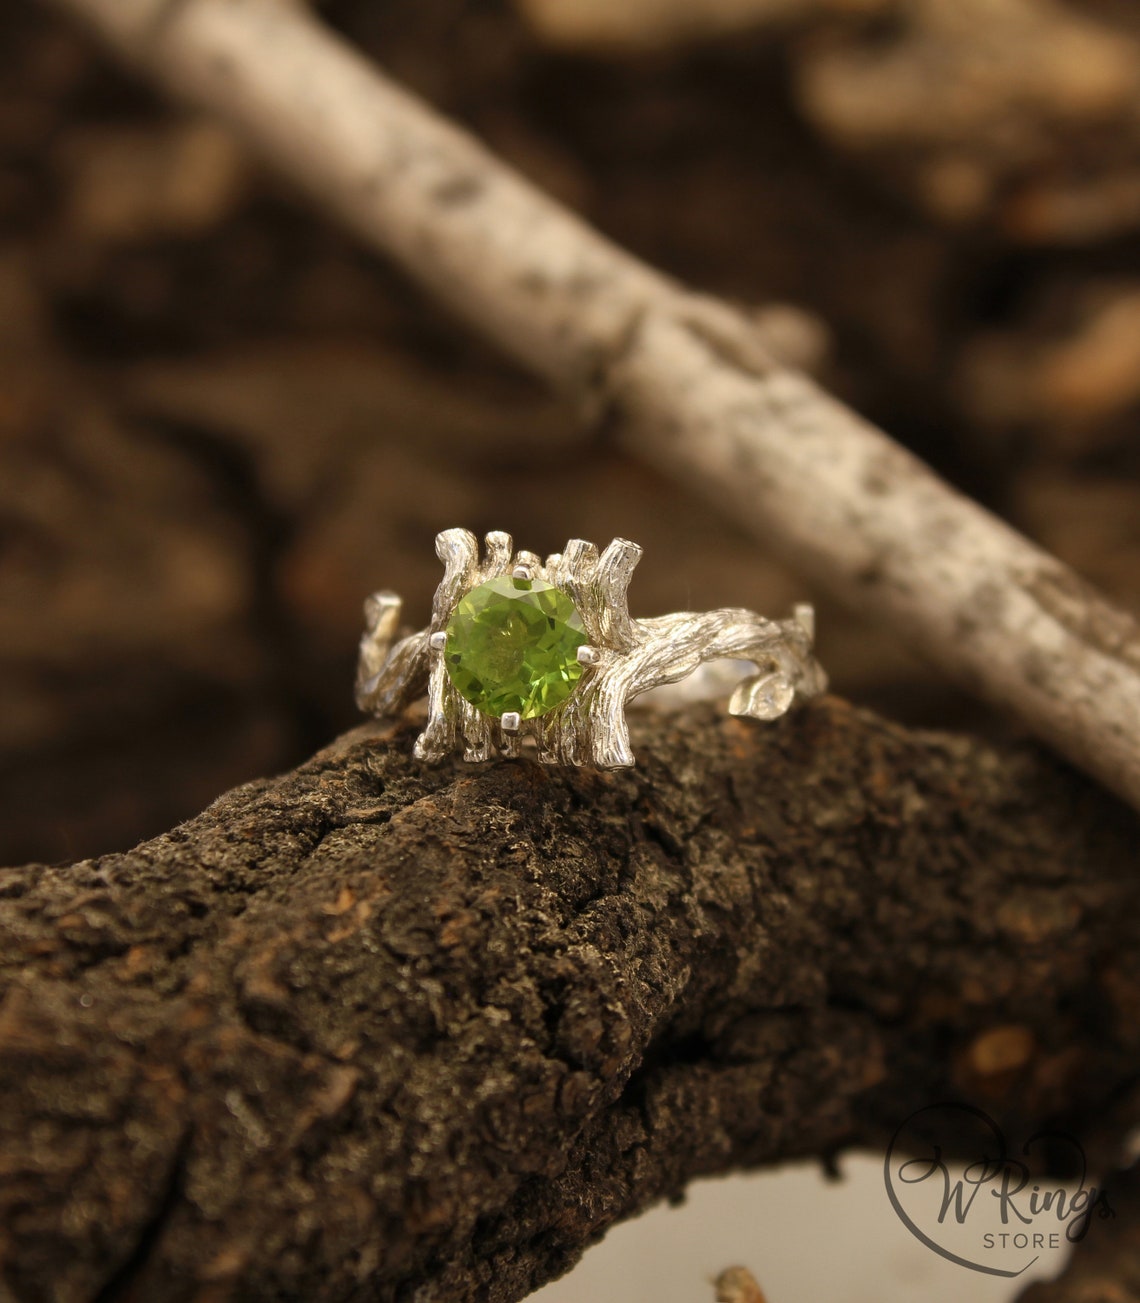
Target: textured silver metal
(631,656)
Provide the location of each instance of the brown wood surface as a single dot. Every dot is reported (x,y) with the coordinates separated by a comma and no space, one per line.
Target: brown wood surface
(377,1030)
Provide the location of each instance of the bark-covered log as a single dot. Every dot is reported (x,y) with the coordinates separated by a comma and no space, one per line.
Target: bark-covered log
(1105,1268)
(378,1030)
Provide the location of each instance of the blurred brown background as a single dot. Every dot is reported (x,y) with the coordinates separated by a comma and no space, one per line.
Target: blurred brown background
(221,424)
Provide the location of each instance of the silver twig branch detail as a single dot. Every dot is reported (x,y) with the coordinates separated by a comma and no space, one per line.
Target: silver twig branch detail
(623,658)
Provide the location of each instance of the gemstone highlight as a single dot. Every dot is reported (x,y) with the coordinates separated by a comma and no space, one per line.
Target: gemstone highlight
(512,644)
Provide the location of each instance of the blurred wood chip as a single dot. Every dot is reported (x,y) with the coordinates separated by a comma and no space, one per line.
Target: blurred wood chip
(655,24)
(1068,368)
(124,184)
(986,109)
(1090,520)
(738,1285)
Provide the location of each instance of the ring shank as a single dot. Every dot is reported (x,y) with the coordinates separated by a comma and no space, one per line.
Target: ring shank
(710,681)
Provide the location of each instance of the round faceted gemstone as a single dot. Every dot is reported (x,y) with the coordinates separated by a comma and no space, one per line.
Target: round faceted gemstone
(512,644)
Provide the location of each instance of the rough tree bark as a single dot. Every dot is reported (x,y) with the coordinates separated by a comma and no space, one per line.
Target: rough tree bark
(1105,1267)
(380,1030)
(688,380)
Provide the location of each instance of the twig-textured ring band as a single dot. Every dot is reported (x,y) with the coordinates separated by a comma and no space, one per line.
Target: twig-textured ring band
(518,647)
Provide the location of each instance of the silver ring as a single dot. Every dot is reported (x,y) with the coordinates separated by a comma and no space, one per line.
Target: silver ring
(520,648)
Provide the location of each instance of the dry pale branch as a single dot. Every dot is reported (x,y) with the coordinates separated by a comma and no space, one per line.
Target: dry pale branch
(689,380)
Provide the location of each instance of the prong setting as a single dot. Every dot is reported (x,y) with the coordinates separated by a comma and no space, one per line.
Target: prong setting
(510,721)
(588,655)
(438,640)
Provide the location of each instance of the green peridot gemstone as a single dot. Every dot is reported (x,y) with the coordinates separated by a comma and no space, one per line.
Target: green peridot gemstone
(512,644)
